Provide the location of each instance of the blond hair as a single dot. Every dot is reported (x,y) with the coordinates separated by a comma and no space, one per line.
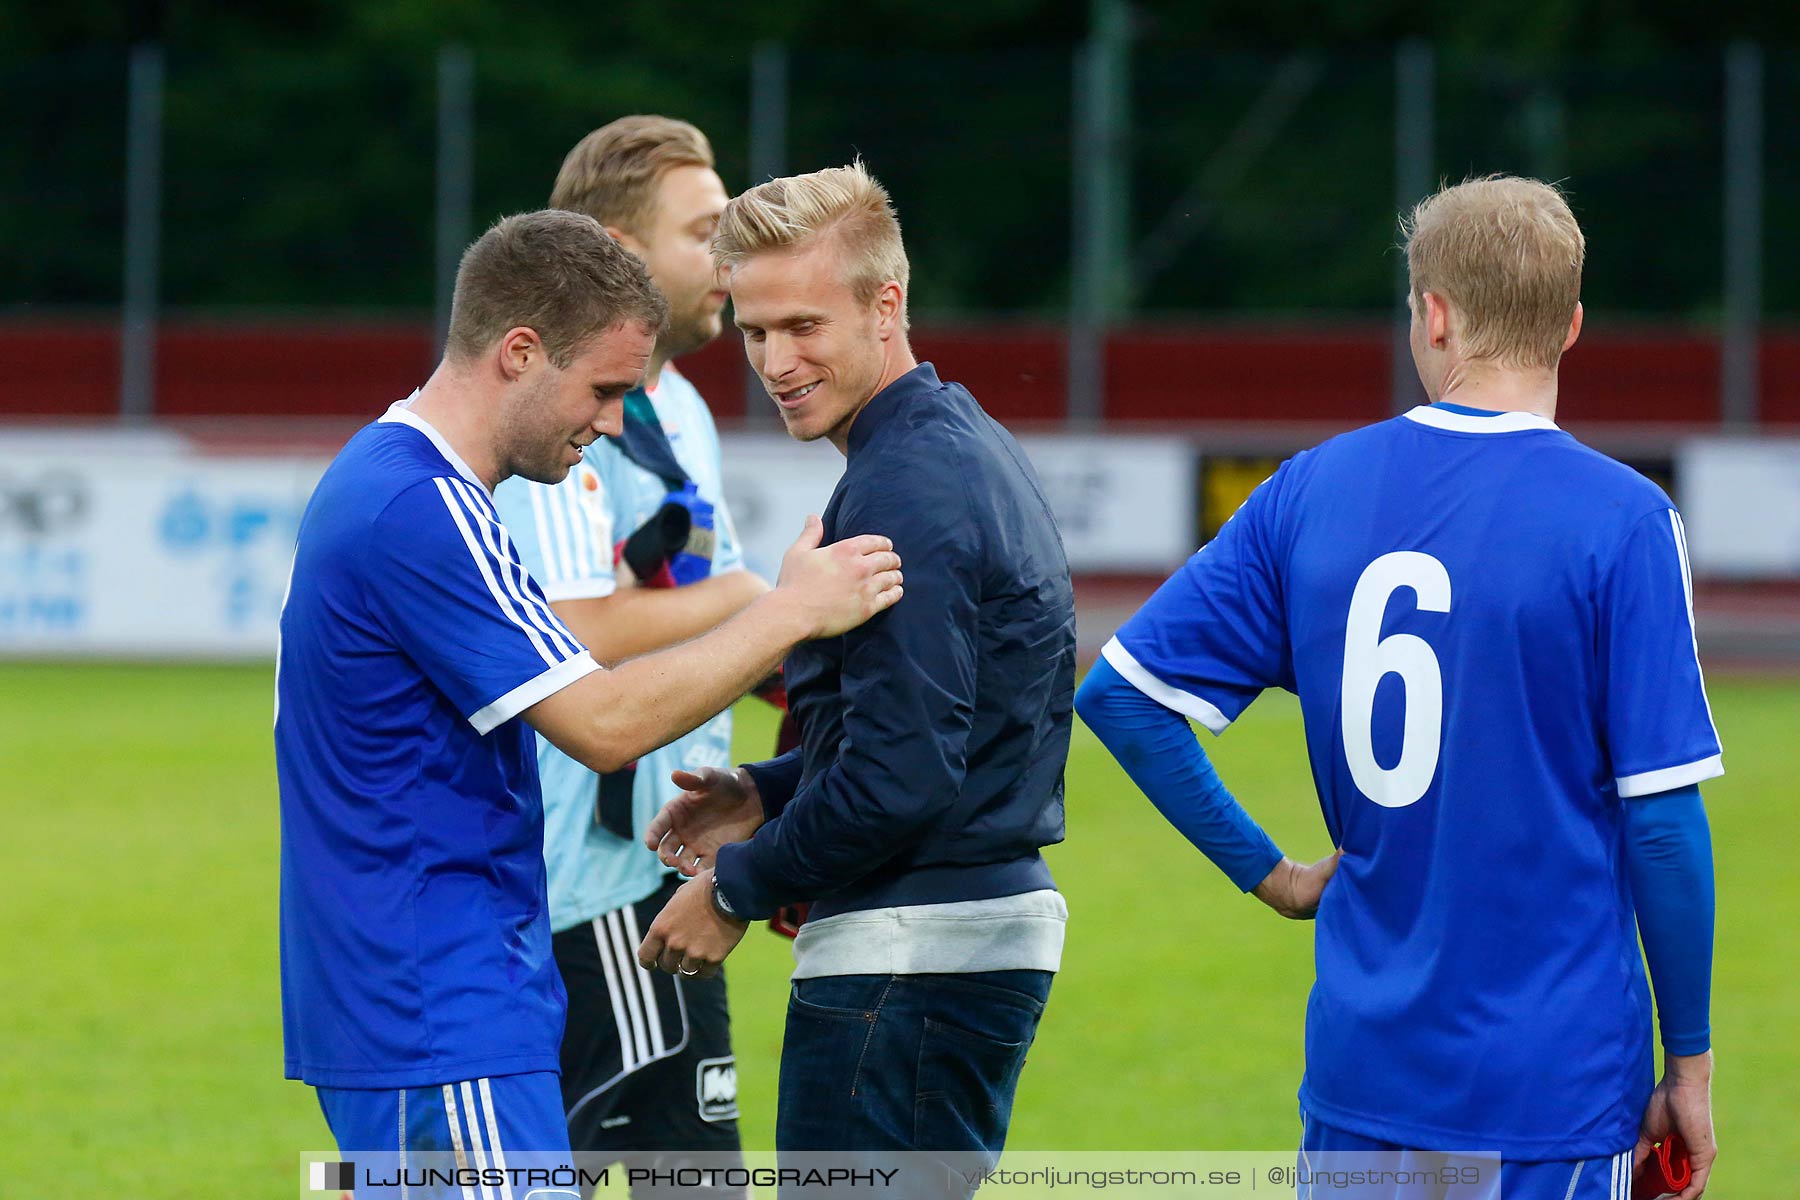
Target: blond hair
(1507,252)
(555,273)
(845,203)
(612,173)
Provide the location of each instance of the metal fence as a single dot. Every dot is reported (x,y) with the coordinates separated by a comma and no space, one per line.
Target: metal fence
(1111,183)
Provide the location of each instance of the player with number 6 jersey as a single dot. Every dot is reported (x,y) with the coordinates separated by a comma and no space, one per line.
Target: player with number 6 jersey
(1489,629)
(1484,674)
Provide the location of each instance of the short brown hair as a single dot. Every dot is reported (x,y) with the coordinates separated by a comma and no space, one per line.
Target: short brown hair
(612,173)
(1507,252)
(556,273)
(845,202)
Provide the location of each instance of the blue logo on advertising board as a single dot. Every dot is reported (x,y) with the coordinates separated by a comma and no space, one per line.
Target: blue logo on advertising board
(43,589)
(240,529)
(43,577)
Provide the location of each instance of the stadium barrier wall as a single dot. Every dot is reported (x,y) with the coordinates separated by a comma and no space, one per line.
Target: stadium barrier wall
(1741,504)
(346,366)
(146,544)
(135,546)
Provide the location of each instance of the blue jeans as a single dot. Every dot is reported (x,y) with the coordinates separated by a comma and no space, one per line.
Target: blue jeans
(906,1062)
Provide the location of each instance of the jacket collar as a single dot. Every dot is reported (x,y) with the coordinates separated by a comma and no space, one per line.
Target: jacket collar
(917,384)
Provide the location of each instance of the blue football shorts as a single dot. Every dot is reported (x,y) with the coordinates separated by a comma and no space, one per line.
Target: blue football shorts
(506,1123)
(1428,1175)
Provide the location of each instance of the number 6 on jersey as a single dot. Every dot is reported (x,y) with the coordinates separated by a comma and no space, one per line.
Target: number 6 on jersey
(1368,656)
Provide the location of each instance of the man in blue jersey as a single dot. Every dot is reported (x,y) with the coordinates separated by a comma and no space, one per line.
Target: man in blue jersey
(930,773)
(419,993)
(1489,628)
(647,1058)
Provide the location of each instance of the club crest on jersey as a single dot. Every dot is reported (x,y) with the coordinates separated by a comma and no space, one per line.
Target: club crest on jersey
(715,1087)
(590,497)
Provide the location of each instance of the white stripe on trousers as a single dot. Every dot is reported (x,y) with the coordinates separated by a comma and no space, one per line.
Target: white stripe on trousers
(493,1131)
(402,1108)
(658,1046)
(1305,1161)
(474,1130)
(1574,1179)
(617,979)
(1621,1177)
(628,967)
(603,946)
(456,1138)
(476,1115)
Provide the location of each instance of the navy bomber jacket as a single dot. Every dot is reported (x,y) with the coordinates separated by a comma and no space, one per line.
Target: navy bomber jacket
(935,735)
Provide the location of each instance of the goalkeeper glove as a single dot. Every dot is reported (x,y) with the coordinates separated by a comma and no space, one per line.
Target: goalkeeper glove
(692,562)
(675,546)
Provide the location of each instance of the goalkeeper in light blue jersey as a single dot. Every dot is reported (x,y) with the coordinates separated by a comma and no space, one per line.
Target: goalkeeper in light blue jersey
(647,1062)
(1489,627)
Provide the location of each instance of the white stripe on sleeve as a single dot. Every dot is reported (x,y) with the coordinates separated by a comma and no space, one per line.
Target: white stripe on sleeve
(486,568)
(512,572)
(491,716)
(542,615)
(1687,588)
(1648,783)
(499,540)
(1185,703)
(542,606)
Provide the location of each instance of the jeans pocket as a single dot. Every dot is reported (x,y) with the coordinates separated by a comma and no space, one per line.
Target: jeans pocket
(966,1083)
(858,996)
(822,1055)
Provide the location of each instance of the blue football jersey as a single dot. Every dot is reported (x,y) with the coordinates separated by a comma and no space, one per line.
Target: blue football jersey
(415,936)
(1489,627)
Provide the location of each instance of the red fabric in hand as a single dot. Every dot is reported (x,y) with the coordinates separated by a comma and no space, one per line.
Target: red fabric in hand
(1666,1171)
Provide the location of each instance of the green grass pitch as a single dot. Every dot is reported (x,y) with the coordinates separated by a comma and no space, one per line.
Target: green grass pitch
(140,1035)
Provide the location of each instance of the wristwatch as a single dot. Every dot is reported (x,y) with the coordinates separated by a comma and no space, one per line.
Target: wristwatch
(721,905)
